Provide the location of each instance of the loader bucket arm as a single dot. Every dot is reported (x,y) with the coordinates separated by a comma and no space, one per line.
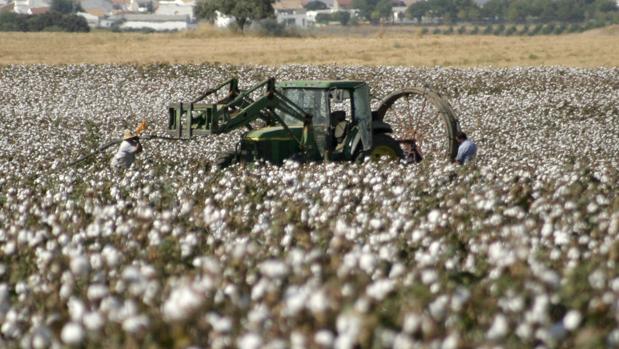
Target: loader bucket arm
(236,110)
(233,91)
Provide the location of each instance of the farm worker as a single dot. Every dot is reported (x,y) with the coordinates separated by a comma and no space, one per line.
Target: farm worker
(467,149)
(126,151)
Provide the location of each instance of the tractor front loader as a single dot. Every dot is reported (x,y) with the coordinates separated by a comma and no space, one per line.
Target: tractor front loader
(316,120)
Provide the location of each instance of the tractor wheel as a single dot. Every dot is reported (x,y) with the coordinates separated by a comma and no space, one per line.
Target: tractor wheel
(422,115)
(384,146)
(225,159)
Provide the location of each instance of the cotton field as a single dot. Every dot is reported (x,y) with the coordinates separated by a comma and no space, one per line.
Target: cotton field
(519,249)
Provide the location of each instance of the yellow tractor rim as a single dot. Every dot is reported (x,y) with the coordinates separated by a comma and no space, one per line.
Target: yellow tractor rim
(383,151)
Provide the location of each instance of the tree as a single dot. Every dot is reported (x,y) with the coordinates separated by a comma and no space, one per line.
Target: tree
(64,6)
(366,7)
(244,11)
(315,5)
(342,16)
(418,10)
(384,9)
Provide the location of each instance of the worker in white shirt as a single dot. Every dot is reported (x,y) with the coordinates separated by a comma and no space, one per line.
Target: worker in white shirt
(129,147)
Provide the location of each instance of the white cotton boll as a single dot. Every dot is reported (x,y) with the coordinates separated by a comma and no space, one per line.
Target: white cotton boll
(597,279)
(499,328)
(274,269)
(72,334)
(93,321)
(434,216)
(438,308)
(380,289)
(96,292)
(249,341)
(41,337)
(451,342)
(572,320)
(297,340)
(412,323)
(134,324)
(182,303)
(80,265)
(367,262)
(66,290)
(429,276)
(324,338)
(10,248)
(77,309)
(111,255)
(397,270)
(524,331)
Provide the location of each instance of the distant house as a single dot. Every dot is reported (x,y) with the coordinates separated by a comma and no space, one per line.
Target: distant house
(154,22)
(98,8)
(291,12)
(7,7)
(141,6)
(38,10)
(92,20)
(176,8)
(121,5)
(26,7)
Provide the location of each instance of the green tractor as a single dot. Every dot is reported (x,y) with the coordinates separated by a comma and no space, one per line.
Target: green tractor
(315,120)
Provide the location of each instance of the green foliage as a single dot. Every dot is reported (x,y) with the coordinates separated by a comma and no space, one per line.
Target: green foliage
(559,29)
(487,30)
(417,10)
(515,11)
(536,30)
(51,21)
(65,6)
(342,17)
(315,5)
(270,27)
(500,29)
(244,11)
(574,28)
(462,30)
(323,18)
(548,28)
(374,10)
(524,30)
(511,30)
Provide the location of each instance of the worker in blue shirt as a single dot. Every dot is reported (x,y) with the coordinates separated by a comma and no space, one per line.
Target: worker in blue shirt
(466,149)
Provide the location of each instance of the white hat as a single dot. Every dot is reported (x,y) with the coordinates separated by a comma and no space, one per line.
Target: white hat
(127,135)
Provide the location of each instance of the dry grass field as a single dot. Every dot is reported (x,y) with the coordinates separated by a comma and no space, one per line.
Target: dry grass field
(365,47)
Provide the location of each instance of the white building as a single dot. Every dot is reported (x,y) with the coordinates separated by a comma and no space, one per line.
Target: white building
(176,8)
(223,21)
(296,18)
(92,20)
(155,22)
(29,7)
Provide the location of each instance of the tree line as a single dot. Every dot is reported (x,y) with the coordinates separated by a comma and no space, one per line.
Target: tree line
(515,11)
(445,11)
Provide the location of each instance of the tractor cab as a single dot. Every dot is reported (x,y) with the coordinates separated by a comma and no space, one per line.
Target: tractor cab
(341,115)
